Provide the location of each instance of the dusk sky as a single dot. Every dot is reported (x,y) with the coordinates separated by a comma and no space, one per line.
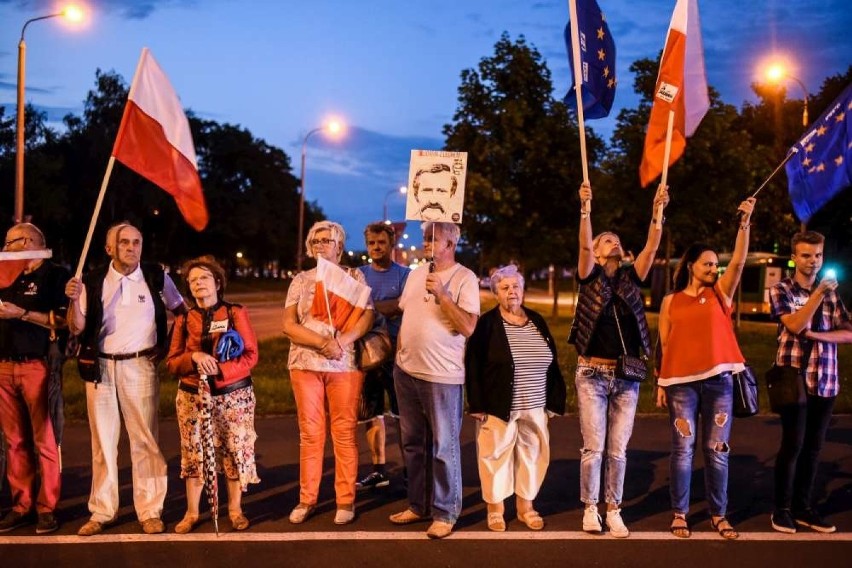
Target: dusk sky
(389,68)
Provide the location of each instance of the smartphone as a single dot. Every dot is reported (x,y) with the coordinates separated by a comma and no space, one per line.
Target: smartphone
(831,274)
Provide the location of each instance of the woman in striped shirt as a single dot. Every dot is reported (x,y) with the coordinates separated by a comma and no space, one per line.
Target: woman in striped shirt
(513,385)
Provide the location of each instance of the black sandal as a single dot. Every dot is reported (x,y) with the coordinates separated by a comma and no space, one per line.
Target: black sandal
(727,532)
(679,527)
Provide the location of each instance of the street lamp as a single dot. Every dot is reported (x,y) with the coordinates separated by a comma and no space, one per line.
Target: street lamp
(402,191)
(333,127)
(73,14)
(776,73)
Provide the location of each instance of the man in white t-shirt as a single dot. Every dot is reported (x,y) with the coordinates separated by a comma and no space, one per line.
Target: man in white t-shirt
(119,311)
(440,306)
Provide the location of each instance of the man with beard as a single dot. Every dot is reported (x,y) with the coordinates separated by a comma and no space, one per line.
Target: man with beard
(609,322)
(434,188)
(813,320)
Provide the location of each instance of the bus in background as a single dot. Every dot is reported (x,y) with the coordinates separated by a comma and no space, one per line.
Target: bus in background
(761,272)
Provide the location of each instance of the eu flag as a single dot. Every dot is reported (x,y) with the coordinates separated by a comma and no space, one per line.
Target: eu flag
(597,57)
(822,165)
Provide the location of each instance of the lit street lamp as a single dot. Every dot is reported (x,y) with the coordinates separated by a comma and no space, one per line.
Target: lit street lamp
(73,14)
(402,191)
(776,73)
(332,127)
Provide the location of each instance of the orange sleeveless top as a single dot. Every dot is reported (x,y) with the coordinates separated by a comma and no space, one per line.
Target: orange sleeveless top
(701,342)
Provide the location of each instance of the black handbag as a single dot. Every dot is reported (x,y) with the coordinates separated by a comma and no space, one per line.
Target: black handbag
(628,367)
(786,387)
(745,393)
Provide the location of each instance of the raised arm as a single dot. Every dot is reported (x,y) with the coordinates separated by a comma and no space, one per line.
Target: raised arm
(731,278)
(586,257)
(645,260)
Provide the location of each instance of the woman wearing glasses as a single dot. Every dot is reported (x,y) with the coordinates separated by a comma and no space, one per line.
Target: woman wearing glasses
(324,373)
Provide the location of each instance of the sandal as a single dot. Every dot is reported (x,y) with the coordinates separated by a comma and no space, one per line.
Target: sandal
(679,526)
(725,529)
(532,519)
(239,521)
(496,522)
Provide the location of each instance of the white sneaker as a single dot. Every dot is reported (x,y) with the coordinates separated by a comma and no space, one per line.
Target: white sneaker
(616,525)
(592,520)
(344,516)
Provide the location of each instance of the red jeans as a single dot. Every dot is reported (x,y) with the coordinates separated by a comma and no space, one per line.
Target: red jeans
(341,390)
(29,433)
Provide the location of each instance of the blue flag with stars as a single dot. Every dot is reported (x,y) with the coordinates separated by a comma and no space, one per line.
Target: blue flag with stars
(822,165)
(597,58)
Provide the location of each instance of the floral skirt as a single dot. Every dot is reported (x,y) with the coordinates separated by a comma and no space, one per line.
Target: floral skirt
(233,435)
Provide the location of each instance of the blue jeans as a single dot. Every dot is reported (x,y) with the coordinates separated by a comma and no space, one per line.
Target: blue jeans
(607,408)
(430,416)
(713,399)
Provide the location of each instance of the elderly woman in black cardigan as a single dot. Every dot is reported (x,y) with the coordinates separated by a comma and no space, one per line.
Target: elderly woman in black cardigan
(513,386)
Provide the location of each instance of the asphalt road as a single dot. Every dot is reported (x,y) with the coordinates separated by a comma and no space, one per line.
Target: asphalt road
(372,541)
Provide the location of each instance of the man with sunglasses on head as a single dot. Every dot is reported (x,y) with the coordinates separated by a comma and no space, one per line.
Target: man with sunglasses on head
(31,308)
(119,311)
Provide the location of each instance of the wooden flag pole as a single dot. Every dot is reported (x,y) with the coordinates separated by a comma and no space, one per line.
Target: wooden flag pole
(666,153)
(94,220)
(578,91)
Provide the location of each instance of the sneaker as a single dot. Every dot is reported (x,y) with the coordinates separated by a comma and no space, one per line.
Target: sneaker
(47,523)
(782,521)
(153,526)
(373,481)
(300,513)
(439,529)
(811,519)
(592,520)
(615,524)
(344,516)
(14,520)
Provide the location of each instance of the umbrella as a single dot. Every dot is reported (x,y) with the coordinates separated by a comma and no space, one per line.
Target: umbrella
(55,402)
(208,449)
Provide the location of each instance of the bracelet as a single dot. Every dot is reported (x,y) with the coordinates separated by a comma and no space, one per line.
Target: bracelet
(584,215)
(662,221)
(745,227)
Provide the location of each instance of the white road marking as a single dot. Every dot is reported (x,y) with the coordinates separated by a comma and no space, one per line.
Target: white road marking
(419,535)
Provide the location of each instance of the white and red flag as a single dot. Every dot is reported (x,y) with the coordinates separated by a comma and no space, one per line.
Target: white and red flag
(681,89)
(12,264)
(340,300)
(154,140)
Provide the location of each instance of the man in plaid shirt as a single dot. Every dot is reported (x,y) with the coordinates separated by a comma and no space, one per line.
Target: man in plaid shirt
(813,320)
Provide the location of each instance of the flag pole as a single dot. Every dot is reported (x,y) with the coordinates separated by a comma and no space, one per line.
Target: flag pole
(99,203)
(578,91)
(665,175)
(793,152)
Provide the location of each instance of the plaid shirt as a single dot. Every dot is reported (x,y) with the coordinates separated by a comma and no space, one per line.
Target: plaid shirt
(787,297)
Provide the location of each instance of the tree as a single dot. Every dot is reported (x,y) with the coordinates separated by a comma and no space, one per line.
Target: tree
(523,159)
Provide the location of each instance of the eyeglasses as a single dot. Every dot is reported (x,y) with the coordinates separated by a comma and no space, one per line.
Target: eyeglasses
(13,241)
(324,242)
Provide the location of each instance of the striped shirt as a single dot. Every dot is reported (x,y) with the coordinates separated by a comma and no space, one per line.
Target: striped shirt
(531,356)
(787,297)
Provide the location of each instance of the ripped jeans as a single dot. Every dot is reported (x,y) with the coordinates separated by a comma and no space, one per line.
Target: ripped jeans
(713,399)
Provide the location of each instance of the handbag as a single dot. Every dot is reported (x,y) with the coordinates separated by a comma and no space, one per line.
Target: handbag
(628,367)
(374,347)
(786,387)
(87,363)
(745,393)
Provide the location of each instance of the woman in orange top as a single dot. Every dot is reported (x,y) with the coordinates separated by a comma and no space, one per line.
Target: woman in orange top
(700,353)
(192,353)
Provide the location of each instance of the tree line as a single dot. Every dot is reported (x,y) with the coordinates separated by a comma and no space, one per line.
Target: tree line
(521,193)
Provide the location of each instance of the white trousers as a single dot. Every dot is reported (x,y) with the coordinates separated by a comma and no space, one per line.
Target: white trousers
(513,456)
(131,388)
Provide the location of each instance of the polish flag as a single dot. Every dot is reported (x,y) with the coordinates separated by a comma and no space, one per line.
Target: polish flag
(154,140)
(12,264)
(340,300)
(681,87)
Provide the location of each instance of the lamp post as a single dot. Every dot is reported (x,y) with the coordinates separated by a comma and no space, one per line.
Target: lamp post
(332,127)
(775,73)
(402,191)
(73,14)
